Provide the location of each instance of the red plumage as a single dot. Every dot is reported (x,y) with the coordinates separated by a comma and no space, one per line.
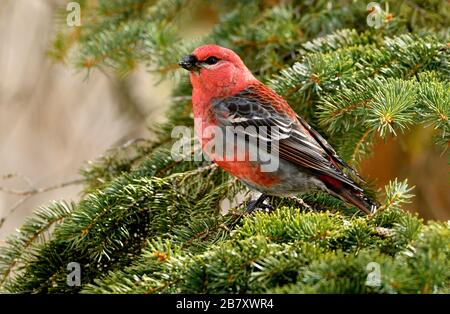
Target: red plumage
(227,95)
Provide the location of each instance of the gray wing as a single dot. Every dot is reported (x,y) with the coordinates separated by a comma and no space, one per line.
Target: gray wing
(297,142)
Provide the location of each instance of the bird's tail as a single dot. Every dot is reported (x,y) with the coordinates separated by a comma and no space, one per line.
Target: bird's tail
(355,197)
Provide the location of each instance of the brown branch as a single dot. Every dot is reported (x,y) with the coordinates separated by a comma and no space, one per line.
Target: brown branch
(17,175)
(360,142)
(27,194)
(351,107)
(13,209)
(34,191)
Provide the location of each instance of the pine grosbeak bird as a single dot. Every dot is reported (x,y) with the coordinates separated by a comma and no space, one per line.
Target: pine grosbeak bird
(225,94)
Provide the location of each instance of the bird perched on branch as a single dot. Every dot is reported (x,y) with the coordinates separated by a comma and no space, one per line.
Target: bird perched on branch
(229,100)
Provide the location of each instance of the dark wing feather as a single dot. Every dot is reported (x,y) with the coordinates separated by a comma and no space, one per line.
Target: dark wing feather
(328,148)
(297,141)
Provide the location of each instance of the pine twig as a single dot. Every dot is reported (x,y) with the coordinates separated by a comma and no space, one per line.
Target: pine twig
(34,191)
(27,194)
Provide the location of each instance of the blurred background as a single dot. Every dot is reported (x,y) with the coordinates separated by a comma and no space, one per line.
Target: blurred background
(53,120)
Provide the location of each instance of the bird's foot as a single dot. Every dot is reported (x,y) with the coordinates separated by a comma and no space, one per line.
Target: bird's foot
(252,206)
(259,205)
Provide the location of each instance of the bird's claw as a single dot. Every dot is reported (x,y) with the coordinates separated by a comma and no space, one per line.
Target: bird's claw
(254,206)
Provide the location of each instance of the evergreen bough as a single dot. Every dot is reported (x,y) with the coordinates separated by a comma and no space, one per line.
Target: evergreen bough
(147,223)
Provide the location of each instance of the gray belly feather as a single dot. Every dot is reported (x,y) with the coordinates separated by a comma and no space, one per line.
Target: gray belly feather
(291,181)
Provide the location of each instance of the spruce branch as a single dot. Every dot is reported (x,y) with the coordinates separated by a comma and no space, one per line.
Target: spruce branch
(23,245)
(397,193)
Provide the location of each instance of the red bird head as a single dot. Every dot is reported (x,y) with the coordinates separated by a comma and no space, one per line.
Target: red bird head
(216,71)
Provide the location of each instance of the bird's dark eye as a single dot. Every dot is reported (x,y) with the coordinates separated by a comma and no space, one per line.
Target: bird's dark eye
(211,60)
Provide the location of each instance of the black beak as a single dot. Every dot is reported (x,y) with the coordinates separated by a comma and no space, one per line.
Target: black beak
(188,62)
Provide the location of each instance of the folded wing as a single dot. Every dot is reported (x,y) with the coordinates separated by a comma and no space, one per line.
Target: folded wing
(299,143)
